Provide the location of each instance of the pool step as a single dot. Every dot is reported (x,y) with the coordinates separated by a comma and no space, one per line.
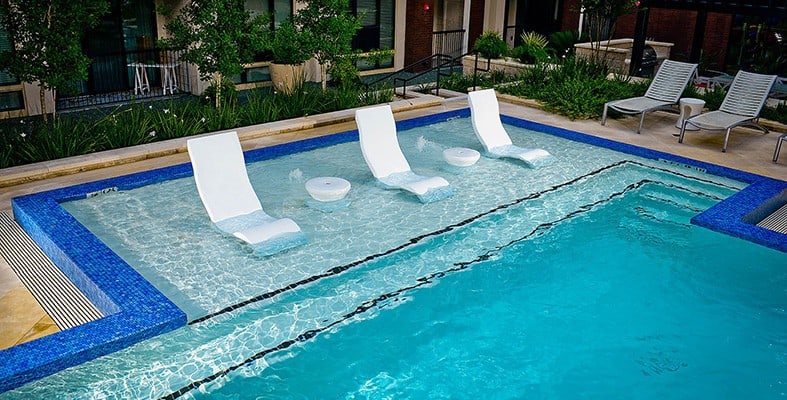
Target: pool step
(58,296)
(777,221)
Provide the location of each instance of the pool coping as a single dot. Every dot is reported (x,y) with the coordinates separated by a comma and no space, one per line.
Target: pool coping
(136,310)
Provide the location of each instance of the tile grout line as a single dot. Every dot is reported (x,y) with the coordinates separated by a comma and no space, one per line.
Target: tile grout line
(56,294)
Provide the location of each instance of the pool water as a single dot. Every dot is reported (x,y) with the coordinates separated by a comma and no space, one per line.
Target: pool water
(581,279)
(163,230)
(587,310)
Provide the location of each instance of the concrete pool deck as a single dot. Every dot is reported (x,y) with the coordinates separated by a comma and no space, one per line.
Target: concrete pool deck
(21,319)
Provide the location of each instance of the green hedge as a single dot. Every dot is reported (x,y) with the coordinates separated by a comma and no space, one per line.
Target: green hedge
(30,140)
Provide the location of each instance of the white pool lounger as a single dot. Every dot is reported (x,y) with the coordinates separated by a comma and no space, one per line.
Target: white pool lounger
(383,155)
(485,114)
(224,187)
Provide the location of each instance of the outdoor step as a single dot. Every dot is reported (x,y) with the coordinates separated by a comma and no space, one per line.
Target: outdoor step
(777,221)
(56,294)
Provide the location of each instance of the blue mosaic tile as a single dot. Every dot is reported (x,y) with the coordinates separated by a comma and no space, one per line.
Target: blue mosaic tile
(135,310)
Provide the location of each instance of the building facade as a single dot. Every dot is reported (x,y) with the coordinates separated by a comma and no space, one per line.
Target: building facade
(127,64)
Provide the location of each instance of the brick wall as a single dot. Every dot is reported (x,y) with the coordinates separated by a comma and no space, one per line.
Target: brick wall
(418,33)
(677,26)
(476,22)
(570,20)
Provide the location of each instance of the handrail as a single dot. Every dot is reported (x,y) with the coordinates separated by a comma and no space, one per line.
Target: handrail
(476,69)
(443,61)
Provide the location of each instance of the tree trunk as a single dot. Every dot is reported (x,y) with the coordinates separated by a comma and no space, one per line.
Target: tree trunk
(218,91)
(42,94)
(324,76)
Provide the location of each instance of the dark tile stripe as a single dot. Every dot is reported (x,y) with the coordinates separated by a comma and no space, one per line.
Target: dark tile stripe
(342,268)
(425,280)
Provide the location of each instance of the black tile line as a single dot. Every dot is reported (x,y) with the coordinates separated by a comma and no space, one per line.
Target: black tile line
(412,241)
(539,230)
(675,203)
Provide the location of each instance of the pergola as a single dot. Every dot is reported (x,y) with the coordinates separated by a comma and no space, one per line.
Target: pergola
(771,8)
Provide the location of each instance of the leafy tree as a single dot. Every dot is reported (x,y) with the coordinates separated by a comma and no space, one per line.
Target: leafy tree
(602,15)
(46,35)
(218,36)
(329,28)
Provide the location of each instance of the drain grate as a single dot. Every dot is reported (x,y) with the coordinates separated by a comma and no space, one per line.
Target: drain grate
(57,295)
(777,221)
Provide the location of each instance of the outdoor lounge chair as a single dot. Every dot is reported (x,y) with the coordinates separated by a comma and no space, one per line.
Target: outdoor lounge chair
(741,106)
(226,192)
(663,93)
(485,115)
(380,148)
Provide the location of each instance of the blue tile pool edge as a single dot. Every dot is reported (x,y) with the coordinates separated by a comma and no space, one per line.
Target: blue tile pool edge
(136,310)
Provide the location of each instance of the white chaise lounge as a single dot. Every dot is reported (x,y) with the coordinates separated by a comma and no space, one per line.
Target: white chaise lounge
(383,155)
(485,114)
(224,187)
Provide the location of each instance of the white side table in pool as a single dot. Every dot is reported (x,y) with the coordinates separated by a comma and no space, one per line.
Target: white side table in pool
(460,156)
(689,107)
(327,188)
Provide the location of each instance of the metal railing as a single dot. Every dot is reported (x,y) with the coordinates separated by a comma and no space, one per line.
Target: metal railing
(438,65)
(477,69)
(449,43)
(130,75)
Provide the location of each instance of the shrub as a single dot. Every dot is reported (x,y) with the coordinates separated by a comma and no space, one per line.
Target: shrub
(778,113)
(63,136)
(31,139)
(459,83)
(125,127)
(576,87)
(533,48)
(178,120)
(491,45)
(562,42)
(229,95)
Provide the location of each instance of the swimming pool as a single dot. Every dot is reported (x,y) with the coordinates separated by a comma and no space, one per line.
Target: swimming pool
(266,315)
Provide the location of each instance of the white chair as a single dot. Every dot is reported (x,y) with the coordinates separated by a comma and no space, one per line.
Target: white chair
(663,93)
(383,155)
(741,106)
(226,192)
(485,115)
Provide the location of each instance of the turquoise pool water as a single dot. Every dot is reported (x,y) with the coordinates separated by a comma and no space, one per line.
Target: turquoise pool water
(582,279)
(589,309)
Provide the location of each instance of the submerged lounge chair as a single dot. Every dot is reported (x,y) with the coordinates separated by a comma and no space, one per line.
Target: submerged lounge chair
(224,187)
(380,148)
(663,93)
(485,114)
(741,106)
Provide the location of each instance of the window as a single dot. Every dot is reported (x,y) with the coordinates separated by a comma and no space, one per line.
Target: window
(10,90)
(377,28)
(279,10)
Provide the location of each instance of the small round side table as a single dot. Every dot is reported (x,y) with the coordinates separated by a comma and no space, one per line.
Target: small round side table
(327,188)
(689,107)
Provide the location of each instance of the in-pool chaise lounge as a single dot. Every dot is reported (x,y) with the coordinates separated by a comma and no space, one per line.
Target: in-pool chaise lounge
(663,93)
(741,106)
(485,114)
(224,187)
(383,155)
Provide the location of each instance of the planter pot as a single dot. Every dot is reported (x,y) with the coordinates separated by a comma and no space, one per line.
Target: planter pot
(286,77)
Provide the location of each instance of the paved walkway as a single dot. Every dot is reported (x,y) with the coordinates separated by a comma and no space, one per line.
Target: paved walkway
(22,319)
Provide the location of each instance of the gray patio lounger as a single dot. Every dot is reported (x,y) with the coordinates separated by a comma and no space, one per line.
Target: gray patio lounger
(741,106)
(663,93)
